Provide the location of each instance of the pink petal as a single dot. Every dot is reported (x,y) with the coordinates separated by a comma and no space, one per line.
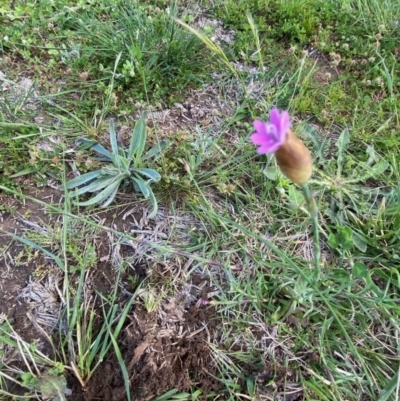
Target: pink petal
(268,148)
(275,118)
(269,136)
(259,139)
(260,127)
(266,143)
(285,123)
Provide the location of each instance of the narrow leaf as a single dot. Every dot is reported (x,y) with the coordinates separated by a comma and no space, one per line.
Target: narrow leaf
(144,189)
(125,163)
(26,171)
(166,396)
(150,173)
(81,179)
(94,186)
(114,144)
(138,139)
(155,150)
(390,388)
(33,245)
(121,362)
(93,145)
(342,142)
(111,197)
(154,203)
(103,195)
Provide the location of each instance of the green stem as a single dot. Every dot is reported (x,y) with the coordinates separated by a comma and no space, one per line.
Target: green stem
(313,210)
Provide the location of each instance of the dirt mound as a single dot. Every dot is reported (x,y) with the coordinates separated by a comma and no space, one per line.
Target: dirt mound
(158,358)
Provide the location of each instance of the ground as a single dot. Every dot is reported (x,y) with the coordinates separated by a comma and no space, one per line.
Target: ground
(162,350)
(165,349)
(215,291)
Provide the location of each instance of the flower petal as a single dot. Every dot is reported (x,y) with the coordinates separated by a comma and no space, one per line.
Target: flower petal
(268,148)
(270,136)
(260,127)
(275,119)
(284,123)
(267,144)
(259,139)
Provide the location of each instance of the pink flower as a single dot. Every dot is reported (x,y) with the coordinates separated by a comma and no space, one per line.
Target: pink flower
(269,136)
(292,156)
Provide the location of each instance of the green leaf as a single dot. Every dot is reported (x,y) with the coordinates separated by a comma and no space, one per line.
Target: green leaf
(295,197)
(93,145)
(166,396)
(111,197)
(360,242)
(154,203)
(319,146)
(333,241)
(125,164)
(346,237)
(94,186)
(390,388)
(342,142)
(271,173)
(360,270)
(155,150)
(103,195)
(138,139)
(150,173)
(371,153)
(120,359)
(82,179)
(144,189)
(114,144)
(28,242)
(379,168)
(26,171)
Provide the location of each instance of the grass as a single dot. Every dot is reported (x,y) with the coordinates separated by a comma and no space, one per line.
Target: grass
(232,216)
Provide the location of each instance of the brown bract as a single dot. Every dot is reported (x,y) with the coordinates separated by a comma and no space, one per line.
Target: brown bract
(294,159)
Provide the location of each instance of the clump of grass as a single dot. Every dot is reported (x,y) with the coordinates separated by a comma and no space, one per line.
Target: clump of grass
(159,59)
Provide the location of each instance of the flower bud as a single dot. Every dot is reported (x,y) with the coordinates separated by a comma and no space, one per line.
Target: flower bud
(294,159)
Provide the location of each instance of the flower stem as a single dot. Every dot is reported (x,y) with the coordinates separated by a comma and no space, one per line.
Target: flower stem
(313,210)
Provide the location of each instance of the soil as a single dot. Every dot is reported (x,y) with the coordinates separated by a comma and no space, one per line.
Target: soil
(15,269)
(167,348)
(157,359)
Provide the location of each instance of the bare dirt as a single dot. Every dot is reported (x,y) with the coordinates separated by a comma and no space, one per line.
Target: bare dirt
(16,270)
(157,359)
(167,348)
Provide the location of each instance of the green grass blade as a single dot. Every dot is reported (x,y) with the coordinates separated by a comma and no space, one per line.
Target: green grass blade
(166,396)
(155,150)
(390,389)
(120,359)
(28,242)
